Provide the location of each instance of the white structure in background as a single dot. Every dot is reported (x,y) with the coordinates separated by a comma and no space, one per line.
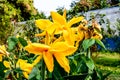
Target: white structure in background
(112,14)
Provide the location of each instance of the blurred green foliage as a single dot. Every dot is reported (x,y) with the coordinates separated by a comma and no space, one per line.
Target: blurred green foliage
(12,11)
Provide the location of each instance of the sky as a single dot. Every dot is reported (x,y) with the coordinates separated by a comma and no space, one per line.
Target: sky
(51,5)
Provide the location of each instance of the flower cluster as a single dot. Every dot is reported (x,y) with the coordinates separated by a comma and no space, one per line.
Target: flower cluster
(59,38)
(66,42)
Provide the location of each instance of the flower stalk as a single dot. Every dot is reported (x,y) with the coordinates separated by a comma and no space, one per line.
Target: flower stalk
(88,53)
(43,68)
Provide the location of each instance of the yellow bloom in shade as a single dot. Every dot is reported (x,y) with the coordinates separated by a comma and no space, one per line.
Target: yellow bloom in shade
(6,64)
(57,49)
(23,65)
(3,52)
(1,57)
(26,67)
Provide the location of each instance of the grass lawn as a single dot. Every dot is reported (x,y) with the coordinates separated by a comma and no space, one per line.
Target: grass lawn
(108,62)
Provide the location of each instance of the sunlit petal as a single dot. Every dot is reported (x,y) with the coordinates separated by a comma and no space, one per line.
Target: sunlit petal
(63,61)
(63,48)
(43,23)
(26,75)
(69,36)
(58,18)
(74,20)
(48,58)
(41,34)
(64,13)
(36,48)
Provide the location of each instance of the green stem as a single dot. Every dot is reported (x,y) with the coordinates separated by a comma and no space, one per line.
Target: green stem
(43,70)
(12,73)
(88,53)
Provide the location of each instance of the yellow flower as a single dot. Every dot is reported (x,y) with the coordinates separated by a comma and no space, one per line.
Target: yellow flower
(45,25)
(58,25)
(6,64)
(61,22)
(3,52)
(80,34)
(1,57)
(26,67)
(69,36)
(57,49)
(97,35)
(23,65)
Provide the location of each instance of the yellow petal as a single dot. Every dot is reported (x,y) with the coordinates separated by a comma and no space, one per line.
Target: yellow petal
(64,13)
(51,29)
(69,36)
(47,38)
(87,35)
(59,39)
(3,50)
(36,48)
(0,57)
(74,20)
(6,64)
(41,34)
(58,18)
(20,62)
(62,48)
(48,58)
(26,67)
(59,29)
(79,37)
(26,75)
(63,61)
(97,36)
(43,23)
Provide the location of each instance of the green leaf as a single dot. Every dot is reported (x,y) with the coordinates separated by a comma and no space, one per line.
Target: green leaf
(58,72)
(35,72)
(12,41)
(99,73)
(2,68)
(18,70)
(22,41)
(89,62)
(106,75)
(100,43)
(88,43)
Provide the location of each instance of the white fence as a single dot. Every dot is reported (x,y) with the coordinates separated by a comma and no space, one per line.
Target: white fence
(111,14)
